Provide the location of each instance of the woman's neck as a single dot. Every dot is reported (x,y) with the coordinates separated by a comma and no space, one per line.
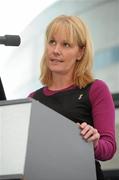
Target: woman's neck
(60,83)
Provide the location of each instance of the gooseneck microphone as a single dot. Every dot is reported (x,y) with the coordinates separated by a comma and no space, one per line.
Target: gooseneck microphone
(10,40)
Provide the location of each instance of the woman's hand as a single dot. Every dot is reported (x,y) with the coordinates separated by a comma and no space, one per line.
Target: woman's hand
(89,133)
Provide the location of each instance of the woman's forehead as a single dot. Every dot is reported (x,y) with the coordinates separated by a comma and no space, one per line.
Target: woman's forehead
(66,33)
(59,29)
(60,34)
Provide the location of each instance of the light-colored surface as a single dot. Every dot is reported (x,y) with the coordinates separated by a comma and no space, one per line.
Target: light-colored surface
(55,150)
(14,121)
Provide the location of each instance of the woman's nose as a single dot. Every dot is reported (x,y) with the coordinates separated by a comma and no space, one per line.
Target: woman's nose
(57,49)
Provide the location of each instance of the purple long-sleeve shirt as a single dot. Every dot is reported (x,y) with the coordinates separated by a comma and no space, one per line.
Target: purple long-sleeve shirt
(103,113)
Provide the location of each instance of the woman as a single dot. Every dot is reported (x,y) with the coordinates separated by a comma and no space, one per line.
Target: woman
(70,88)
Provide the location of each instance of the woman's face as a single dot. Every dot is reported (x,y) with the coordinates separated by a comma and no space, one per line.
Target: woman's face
(61,55)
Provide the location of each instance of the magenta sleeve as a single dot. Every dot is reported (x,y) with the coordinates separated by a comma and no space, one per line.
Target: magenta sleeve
(103,112)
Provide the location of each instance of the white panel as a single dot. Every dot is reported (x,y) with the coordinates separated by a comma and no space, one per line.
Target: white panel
(14,120)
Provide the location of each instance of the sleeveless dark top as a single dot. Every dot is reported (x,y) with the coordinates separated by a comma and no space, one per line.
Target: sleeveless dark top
(73,104)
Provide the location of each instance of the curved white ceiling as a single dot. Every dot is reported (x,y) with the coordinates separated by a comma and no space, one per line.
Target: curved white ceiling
(16,15)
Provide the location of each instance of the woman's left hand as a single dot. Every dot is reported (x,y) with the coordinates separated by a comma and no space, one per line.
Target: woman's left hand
(89,133)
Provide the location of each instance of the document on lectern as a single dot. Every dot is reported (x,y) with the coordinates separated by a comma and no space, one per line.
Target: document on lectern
(41,144)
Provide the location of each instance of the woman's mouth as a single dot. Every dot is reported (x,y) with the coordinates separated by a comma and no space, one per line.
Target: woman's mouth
(56,60)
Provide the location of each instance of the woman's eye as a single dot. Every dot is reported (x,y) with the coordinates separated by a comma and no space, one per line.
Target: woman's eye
(52,42)
(66,45)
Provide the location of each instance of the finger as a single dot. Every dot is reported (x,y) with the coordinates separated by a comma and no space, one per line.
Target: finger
(83,125)
(85,130)
(88,134)
(94,138)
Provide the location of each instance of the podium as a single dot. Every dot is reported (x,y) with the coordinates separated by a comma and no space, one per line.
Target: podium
(40,144)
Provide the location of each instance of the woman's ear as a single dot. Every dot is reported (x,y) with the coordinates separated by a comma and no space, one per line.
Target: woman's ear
(81,53)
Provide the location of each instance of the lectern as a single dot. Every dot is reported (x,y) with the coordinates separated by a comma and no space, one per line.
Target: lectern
(40,144)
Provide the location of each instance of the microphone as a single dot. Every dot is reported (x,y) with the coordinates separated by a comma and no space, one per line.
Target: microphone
(10,40)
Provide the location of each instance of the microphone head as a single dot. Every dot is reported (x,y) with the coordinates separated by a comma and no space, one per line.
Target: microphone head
(12,40)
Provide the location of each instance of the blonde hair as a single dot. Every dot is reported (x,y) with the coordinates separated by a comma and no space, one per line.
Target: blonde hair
(75,31)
